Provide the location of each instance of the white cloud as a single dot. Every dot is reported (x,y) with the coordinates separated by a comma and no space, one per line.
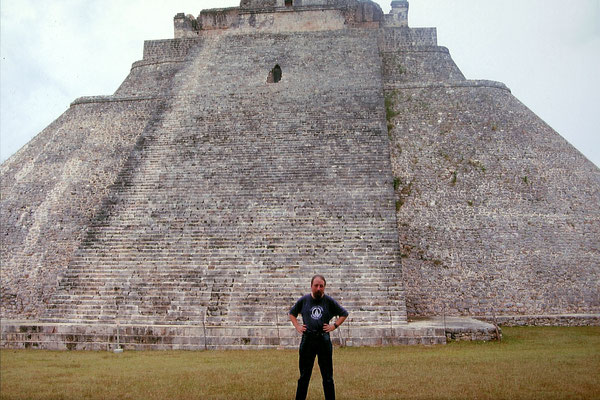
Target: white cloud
(546,51)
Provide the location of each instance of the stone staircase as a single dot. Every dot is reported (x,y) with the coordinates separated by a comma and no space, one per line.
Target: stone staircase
(243,190)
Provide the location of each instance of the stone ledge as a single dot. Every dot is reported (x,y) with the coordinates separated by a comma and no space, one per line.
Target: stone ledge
(425,331)
(546,320)
(418,49)
(449,85)
(32,334)
(110,99)
(276,9)
(157,61)
(461,328)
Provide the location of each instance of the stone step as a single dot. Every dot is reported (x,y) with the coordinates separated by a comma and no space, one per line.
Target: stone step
(223,302)
(214,320)
(230,296)
(167,312)
(232,277)
(76,303)
(233,303)
(191,278)
(202,197)
(77,336)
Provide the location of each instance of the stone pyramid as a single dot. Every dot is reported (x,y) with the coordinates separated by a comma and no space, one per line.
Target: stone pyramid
(276,140)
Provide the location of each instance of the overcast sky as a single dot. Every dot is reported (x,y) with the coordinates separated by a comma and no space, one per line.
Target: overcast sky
(546,51)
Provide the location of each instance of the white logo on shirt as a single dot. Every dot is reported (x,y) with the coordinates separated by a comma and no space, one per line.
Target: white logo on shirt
(316,312)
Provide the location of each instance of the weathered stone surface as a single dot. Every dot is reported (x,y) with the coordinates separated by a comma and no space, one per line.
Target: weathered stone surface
(232,236)
(498,213)
(203,193)
(53,187)
(74,336)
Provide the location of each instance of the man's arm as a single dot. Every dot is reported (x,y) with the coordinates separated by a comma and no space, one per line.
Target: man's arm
(299,328)
(332,327)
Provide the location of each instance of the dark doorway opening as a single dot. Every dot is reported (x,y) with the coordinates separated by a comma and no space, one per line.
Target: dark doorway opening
(275,74)
(288,3)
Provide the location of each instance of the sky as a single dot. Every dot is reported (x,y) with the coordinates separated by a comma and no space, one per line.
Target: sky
(546,51)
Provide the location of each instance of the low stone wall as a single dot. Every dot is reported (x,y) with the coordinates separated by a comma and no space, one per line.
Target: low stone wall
(418,64)
(302,17)
(35,335)
(460,328)
(547,320)
(392,39)
(465,334)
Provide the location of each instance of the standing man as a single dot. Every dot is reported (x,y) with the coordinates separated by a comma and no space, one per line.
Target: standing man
(317,309)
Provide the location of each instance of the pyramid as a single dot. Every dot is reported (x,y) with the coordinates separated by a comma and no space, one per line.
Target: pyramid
(272,141)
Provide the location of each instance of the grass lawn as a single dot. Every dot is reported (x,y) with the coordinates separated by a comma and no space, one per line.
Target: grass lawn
(530,363)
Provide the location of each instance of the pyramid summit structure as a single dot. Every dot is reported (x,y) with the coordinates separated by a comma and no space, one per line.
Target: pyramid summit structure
(272,141)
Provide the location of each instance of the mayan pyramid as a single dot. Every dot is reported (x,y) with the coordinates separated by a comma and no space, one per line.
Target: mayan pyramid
(282,138)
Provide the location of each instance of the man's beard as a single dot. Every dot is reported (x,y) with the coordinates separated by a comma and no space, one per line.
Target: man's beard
(317,295)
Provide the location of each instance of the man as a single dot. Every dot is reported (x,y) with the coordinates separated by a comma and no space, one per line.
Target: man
(317,309)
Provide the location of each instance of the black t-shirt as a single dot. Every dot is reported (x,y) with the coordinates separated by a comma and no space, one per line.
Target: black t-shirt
(317,312)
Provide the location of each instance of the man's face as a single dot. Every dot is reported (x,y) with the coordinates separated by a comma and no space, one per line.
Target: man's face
(318,288)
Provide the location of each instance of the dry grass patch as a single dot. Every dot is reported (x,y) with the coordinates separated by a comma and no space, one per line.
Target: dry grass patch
(530,363)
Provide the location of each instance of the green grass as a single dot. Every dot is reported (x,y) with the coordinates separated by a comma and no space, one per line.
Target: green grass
(530,363)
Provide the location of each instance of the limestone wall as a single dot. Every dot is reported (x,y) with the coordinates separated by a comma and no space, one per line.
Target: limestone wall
(272,17)
(419,64)
(51,189)
(497,213)
(149,78)
(392,39)
(154,74)
(265,4)
(224,18)
(309,20)
(168,49)
(246,189)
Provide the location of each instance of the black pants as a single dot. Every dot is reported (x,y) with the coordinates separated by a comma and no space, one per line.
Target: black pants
(313,345)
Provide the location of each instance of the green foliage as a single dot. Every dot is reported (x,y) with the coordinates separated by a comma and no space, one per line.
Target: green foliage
(399,204)
(403,191)
(390,113)
(390,126)
(453,180)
